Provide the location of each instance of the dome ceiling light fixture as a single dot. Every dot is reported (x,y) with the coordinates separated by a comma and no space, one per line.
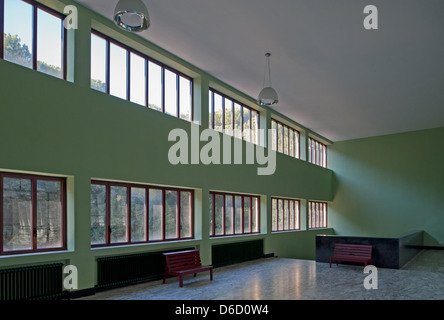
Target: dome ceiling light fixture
(268,95)
(132,15)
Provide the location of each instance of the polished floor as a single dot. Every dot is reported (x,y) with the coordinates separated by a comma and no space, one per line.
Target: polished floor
(290,279)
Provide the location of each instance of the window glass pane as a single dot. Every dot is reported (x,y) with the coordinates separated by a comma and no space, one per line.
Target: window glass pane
(49,214)
(274,215)
(170,93)
(273,135)
(246,124)
(280,214)
(138,214)
(238,214)
(247,214)
(280,140)
(171,215)
(297,218)
(291,214)
(18,32)
(286,213)
(155,214)
(291,143)
(185,98)
(155,86)
(228,116)
(118,214)
(219,214)
(254,127)
(17,214)
(285,140)
(49,44)
(185,214)
(255,214)
(98,214)
(229,215)
(137,79)
(98,63)
(218,113)
(118,71)
(210,109)
(238,121)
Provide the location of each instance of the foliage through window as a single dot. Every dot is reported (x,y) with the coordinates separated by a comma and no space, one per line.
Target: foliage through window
(231,117)
(284,139)
(33,213)
(285,214)
(317,214)
(126,213)
(317,153)
(233,214)
(121,71)
(33,36)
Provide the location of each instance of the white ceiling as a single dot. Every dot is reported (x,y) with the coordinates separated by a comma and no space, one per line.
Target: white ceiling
(332,76)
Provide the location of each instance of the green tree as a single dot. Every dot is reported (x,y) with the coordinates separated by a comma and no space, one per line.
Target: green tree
(15,51)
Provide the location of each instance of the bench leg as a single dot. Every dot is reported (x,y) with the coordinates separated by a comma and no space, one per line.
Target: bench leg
(164,278)
(211,274)
(180,281)
(195,275)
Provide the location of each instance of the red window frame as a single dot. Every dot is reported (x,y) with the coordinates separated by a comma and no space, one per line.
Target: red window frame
(147,188)
(317,152)
(317,217)
(296,139)
(34,179)
(148,59)
(252,111)
(213,234)
(36,5)
(296,211)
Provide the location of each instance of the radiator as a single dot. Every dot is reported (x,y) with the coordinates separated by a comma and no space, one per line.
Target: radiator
(32,282)
(128,269)
(235,252)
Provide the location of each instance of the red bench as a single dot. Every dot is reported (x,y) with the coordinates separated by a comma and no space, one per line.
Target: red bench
(182,263)
(352,252)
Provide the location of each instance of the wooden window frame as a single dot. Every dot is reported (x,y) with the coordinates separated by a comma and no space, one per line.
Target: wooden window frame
(213,234)
(317,215)
(63,218)
(296,139)
(147,188)
(297,214)
(148,59)
(35,6)
(225,97)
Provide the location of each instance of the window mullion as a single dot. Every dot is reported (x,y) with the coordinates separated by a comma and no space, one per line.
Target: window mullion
(2,32)
(34,37)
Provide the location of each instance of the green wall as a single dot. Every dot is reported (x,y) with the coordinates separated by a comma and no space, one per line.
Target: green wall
(64,128)
(389,185)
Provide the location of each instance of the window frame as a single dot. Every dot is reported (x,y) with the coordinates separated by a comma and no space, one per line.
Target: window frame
(34,178)
(213,194)
(297,214)
(296,139)
(212,92)
(147,188)
(317,152)
(35,6)
(322,214)
(147,59)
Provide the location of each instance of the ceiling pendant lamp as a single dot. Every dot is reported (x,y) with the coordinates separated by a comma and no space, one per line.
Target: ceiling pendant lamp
(268,95)
(131,15)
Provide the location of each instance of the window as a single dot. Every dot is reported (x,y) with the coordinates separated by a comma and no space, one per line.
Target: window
(33,36)
(233,214)
(32,212)
(317,153)
(285,214)
(285,139)
(317,214)
(230,117)
(126,213)
(130,75)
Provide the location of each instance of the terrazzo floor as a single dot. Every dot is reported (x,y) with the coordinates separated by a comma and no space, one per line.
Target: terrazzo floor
(289,279)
